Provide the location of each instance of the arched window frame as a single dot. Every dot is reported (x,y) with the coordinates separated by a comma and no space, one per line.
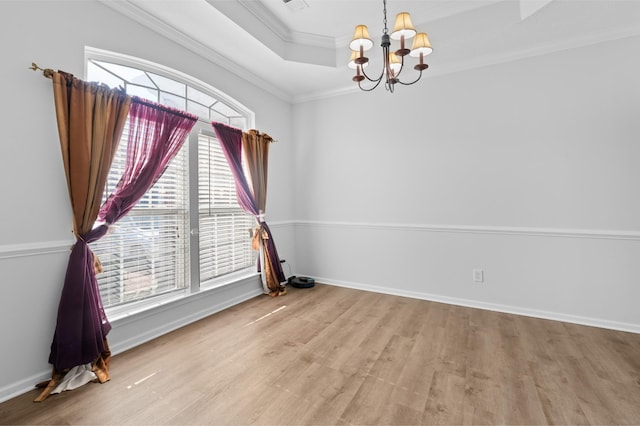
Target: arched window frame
(195,223)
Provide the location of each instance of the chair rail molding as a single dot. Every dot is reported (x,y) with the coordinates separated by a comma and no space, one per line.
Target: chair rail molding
(479,229)
(8,251)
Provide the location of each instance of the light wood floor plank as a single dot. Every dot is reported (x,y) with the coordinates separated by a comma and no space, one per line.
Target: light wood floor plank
(337,356)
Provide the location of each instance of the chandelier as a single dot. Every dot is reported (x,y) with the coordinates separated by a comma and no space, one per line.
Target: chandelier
(393,62)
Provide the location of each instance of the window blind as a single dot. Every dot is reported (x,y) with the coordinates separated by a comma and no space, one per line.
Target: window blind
(146,253)
(225,229)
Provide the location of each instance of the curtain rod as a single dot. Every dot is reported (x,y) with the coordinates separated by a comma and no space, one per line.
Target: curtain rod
(163,108)
(263,134)
(46,72)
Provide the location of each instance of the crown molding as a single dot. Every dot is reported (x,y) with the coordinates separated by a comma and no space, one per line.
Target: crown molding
(128,9)
(326,94)
(275,25)
(263,25)
(265,17)
(545,49)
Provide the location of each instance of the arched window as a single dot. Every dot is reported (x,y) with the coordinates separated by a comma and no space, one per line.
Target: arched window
(188,231)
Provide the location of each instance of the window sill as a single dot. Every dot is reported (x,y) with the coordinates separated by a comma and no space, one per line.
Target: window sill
(228,279)
(118,313)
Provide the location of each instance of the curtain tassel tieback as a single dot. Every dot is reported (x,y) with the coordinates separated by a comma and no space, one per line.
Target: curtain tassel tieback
(97,265)
(258,234)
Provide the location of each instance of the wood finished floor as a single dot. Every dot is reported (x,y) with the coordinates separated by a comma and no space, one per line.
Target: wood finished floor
(331,355)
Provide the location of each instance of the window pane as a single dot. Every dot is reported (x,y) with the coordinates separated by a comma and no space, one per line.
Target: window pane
(101,76)
(198,96)
(225,229)
(215,116)
(225,243)
(168,85)
(142,256)
(143,92)
(197,109)
(225,110)
(145,254)
(130,75)
(174,101)
(238,122)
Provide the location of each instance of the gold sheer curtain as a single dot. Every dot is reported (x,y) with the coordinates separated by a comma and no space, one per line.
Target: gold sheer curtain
(90,121)
(255,146)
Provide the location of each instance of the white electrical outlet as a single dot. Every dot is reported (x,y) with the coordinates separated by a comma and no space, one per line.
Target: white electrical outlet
(478,276)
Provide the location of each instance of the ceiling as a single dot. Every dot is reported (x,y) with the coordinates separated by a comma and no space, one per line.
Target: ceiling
(298,50)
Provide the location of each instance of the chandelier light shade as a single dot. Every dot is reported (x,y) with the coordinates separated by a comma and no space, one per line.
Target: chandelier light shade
(403,27)
(361,39)
(393,61)
(421,45)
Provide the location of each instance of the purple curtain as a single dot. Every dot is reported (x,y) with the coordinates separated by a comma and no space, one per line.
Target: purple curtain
(82,325)
(231,142)
(156,134)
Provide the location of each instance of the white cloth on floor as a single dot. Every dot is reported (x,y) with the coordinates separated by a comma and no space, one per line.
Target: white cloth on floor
(76,377)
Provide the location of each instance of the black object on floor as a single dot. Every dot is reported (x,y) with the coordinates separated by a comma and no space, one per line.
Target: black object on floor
(301,282)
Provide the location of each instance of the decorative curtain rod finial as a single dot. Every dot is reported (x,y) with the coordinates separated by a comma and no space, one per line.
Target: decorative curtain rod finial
(47,72)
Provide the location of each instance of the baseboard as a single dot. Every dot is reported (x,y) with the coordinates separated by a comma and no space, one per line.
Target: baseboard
(516,310)
(23,386)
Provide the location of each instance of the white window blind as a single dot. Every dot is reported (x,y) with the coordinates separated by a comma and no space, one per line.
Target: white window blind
(146,253)
(225,229)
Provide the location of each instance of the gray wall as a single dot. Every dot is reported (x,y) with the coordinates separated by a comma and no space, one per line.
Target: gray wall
(527,170)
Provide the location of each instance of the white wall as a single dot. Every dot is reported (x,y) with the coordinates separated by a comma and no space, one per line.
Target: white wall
(35,219)
(525,169)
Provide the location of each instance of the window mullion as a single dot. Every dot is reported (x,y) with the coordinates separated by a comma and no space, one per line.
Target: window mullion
(194,214)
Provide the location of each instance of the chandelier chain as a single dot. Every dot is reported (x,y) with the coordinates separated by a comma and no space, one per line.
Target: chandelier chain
(384,10)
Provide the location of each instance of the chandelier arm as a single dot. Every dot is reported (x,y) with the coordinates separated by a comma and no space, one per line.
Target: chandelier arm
(371,88)
(372,79)
(414,81)
(401,67)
